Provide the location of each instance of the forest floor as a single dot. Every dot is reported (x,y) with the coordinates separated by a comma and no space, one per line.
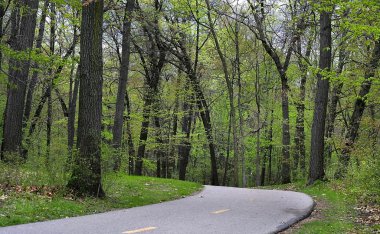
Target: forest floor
(335,212)
(31,203)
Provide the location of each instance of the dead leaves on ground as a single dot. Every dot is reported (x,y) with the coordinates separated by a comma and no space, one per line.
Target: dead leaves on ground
(46,191)
(368,214)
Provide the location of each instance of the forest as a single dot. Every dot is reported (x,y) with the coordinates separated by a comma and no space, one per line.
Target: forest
(241,93)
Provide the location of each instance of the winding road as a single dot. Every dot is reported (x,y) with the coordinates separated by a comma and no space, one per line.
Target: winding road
(214,210)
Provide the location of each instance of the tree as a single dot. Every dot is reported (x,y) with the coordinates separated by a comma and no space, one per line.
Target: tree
(316,170)
(359,107)
(86,175)
(153,61)
(230,89)
(282,67)
(21,41)
(117,129)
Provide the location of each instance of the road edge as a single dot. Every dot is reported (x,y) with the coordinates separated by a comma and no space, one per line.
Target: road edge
(295,220)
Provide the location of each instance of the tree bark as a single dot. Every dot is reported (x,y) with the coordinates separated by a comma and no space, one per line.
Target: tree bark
(257,100)
(49,120)
(117,129)
(270,148)
(86,175)
(316,170)
(18,77)
(34,79)
(185,145)
(299,138)
(131,147)
(72,114)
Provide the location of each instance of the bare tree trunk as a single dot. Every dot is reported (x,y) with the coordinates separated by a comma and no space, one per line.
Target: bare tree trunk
(257,100)
(270,147)
(49,120)
(185,145)
(18,77)
(171,159)
(86,175)
(143,134)
(72,114)
(226,163)
(117,129)
(241,149)
(316,170)
(3,8)
(131,147)
(159,153)
(299,138)
(34,79)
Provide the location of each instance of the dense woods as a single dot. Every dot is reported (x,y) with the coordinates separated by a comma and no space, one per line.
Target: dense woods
(224,92)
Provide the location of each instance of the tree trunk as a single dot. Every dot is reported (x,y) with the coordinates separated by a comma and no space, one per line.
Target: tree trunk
(285,167)
(334,101)
(86,175)
(34,79)
(185,145)
(257,100)
(270,147)
(299,138)
(143,134)
(226,163)
(117,129)
(316,170)
(281,68)
(131,147)
(72,114)
(159,152)
(49,120)
(359,107)
(241,149)
(2,13)
(18,71)
(230,94)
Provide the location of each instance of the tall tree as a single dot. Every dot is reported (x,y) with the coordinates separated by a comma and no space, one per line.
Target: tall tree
(52,42)
(299,137)
(117,129)
(33,81)
(152,64)
(86,175)
(18,77)
(359,107)
(316,169)
(282,66)
(230,90)
(185,145)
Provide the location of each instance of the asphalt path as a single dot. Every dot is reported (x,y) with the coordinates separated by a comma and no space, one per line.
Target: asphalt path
(214,210)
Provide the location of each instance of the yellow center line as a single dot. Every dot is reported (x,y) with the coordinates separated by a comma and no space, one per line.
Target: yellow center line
(140,230)
(219,211)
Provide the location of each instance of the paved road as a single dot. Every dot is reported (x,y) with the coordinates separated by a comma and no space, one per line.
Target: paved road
(215,210)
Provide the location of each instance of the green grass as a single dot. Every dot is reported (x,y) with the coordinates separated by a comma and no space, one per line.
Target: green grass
(122,192)
(337,209)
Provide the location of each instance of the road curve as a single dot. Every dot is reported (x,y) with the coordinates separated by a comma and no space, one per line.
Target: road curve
(214,210)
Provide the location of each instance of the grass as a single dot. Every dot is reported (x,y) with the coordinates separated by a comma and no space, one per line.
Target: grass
(336,209)
(20,205)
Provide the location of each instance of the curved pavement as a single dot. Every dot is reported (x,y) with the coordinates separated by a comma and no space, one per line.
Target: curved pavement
(214,210)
